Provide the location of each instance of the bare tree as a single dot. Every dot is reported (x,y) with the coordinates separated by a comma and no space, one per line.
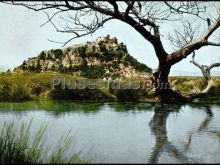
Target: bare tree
(147,18)
(206,73)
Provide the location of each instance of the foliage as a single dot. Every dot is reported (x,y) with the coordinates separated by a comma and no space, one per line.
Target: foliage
(188,85)
(93,72)
(129,94)
(37,86)
(115,64)
(58,54)
(53,68)
(18,87)
(103,47)
(38,67)
(42,55)
(128,59)
(79,94)
(82,51)
(49,56)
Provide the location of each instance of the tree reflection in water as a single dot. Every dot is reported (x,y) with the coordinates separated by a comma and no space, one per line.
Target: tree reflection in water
(204,126)
(159,130)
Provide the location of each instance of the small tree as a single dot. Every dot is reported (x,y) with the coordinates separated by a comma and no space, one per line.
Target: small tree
(24,62)
(58,54)
(38,67)
(115,40)
(8,71)
(42,55)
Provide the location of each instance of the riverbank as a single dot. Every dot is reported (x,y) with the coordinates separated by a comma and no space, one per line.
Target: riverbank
(48,86)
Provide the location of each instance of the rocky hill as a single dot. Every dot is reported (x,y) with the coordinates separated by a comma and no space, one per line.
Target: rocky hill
(103,58)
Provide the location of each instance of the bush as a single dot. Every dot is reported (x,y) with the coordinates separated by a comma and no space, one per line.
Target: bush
(42,55)
(93,72)
(115,65)
(53,68)
(82,51)
(130,94)
(15,91)
(36,89)
(78,94)
(103,48)
(5,91)
(38,67)
(20,91)
(58,54)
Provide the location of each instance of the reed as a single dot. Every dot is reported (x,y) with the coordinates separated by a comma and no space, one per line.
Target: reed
(16,146)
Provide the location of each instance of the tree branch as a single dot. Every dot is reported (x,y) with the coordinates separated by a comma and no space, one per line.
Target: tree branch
(115,5)
(141,19)
(154,40)
(188,49)
(130,6)
(212,43)
(187,8)
(195,63)
(211,29)
(214,65)
(95,7)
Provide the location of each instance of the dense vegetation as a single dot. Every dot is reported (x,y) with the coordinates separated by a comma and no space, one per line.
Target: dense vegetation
(37,86)
(17,148)
(99,59)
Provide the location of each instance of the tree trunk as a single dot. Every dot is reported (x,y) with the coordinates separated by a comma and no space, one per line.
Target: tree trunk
(209,87)
(163,89)
(204,93)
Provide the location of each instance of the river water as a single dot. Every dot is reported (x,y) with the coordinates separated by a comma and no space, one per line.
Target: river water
(126,132)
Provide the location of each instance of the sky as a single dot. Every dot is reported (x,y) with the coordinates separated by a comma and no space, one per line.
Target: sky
(22,37)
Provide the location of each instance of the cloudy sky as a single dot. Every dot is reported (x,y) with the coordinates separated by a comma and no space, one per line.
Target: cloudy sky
(22,37)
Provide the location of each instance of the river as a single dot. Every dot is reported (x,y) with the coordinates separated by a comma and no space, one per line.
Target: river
(126,132)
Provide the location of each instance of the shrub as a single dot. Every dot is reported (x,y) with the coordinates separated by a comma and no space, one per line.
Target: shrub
(82,51)
(20,91)
(53,68)
(115,40)
(58,54)
(38,67)
(42,55)
(115,64)
(103,48)
(130,94)
(93,71)
(5,91)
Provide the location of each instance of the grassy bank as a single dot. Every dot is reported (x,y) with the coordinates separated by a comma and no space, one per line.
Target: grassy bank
(190,84)
(16,147)
(37,86)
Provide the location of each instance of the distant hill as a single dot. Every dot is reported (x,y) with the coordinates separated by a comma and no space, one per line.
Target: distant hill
(103,58)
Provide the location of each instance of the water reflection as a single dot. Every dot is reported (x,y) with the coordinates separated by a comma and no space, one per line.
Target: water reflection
(129,132)
(159,130)
(158,127)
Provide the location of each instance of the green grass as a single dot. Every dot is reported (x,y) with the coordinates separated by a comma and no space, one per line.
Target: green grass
(187,85)
(16,146)
(37,86)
